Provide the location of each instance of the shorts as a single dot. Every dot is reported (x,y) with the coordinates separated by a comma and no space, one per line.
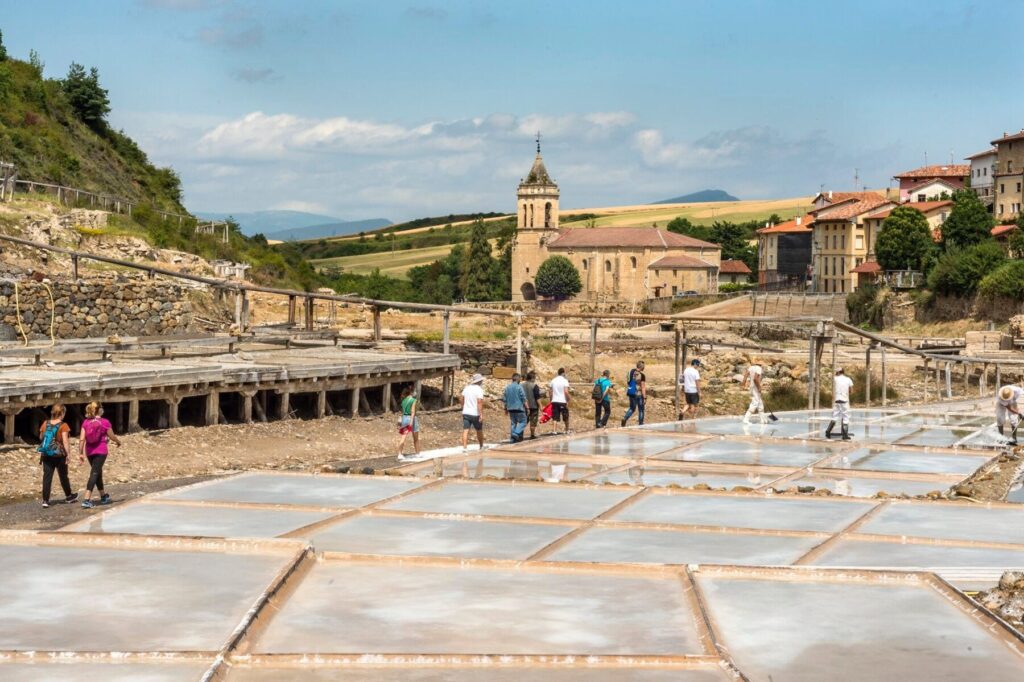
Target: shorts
(532,416)
(409,424)
(559,411)
(841,412)
(692,398)
(472,421)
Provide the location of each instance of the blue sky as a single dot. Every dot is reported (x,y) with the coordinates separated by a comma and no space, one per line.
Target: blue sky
(404,109)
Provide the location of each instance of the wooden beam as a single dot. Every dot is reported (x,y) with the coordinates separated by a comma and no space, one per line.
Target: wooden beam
(133,416)
(377,330)
(321,404)
(212,408)
(172,412)
(245,407)
(386,397)
(353,407)
(284,408)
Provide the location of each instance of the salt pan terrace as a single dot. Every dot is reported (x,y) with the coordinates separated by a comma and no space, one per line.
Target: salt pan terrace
(274,576)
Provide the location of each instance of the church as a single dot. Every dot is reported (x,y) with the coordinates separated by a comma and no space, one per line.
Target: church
(616,264)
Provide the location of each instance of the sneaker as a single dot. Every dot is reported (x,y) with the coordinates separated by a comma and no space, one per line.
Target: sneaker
(403,458)
(71,499)
(46,505)
(623,423)
(105,499)
(87,504)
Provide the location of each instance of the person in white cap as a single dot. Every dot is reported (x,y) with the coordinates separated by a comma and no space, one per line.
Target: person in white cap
(752,379)
(1008,406)
(472,410)
(841,407)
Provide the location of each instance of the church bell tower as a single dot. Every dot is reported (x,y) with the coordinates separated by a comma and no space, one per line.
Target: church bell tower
(536,221)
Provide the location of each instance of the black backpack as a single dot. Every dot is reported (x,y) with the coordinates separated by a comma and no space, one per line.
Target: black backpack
(598,393)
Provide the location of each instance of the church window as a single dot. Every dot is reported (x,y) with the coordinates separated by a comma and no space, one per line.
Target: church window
(632,261)
(547,214)
(607,266)
(531,215)
(584,263)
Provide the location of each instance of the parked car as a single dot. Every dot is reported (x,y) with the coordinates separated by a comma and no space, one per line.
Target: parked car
(684,294)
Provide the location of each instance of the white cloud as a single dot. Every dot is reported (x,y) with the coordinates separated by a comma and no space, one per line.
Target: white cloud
(306,206)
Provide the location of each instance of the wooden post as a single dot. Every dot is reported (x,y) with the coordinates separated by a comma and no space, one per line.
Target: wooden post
(244,316)
(417,389)
(308,309)
(291,310)
(246,407)
(999,377)
(679,369)
(365,403)
(926,379)
(949,382)
(967,369)
(449,378)
(257,405)
(74,268)
(519,344)
(867,377)
(884,379)
(386,397)
(353,408)
(377,331)
(172,412)
(593,349)
(133,416)
(983,379)
(238,310)
(321,404)
(9,427)
(212,407)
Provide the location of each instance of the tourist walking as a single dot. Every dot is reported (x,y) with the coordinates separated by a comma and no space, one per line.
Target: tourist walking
(55,444)
(96,433)
(752,380)
(473,411)
(533,396)
(560,400)
(1009,401)
(602,400)
(515,408)
(410,422)
(690,381)
(636,391)
(841,407)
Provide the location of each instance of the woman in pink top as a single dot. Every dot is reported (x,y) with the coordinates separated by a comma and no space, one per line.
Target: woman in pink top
(96,431)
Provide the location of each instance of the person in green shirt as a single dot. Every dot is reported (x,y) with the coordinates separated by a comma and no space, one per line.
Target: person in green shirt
(410,423)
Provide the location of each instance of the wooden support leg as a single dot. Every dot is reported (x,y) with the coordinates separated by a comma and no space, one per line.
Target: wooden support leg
(417,389)
(328,407)
(949,381)
(678,370)
(291,310)
(245,408)
(386,397)
(212,408)
(885,379)
(309,314)
(353,407)
(321,404)
(261,412)
(378,333)
(365,403)
(284,409)
(867,377)
(172,412)
(9,427)
(133,416)
(593,349)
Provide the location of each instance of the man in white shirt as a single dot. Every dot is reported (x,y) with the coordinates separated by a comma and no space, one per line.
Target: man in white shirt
(1008,407)
(752,378)
(472,411)
(691,389)
(560,400)
(841,407)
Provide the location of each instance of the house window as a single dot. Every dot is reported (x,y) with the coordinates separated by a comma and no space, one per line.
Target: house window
(842,266)
(675,290)
(844,241)
(1002,188)
(607,266)
(824,262)
(842,284)
(859,243)
(584,263)
(1018,187)
(1009,166)
(984,171)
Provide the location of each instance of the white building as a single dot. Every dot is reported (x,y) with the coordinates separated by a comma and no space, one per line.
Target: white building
(983,165)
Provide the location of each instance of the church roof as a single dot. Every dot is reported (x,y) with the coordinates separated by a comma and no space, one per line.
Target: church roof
(538,173)
(680,263)
(628,237)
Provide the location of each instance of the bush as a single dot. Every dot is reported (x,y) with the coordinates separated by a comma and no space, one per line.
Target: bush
(866,306)
(904,240)
(1006,281)
(732,287)
(558,278)
(958,273)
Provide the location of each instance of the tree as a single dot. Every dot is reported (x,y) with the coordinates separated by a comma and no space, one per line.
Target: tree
(968,223)
(1016,238)
(1006,281)
(87,98)
(558,278)
(904,240)
(476,276)
(684,227)
(3,50)
(957,273)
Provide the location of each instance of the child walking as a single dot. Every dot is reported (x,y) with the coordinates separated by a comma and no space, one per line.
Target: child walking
(410,422)
(96,432)
(55,445)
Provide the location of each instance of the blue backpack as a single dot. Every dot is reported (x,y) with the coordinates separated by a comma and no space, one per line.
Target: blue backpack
(631,386)
(50,447)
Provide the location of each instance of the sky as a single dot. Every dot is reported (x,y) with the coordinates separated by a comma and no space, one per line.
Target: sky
(402,109)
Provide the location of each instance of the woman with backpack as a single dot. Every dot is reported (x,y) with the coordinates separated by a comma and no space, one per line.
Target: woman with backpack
(96,431)
(410,423)
(55,444)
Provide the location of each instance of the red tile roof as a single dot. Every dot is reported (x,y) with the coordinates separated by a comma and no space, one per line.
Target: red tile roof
(681,263)
(805,225)
(984,153)
(868,267)
(636,237)
(1007,138)
(834,198)
(925,207)
(850,209)
(932,181)
(946,171)
(1000,230)
(731,266)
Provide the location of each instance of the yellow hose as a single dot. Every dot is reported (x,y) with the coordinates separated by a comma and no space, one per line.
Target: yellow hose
(53,314)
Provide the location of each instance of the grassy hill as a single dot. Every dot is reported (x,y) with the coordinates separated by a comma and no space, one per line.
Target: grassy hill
(55,131)
(396,264)
(704,195)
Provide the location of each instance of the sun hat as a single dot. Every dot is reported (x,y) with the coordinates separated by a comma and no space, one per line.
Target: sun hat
(477,379)
(1006,392)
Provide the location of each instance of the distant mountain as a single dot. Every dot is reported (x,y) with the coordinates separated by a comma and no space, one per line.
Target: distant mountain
(283,224)
(703,196)
(340,228)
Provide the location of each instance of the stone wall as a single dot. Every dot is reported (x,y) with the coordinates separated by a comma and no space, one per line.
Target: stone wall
(97,307)
(477,356)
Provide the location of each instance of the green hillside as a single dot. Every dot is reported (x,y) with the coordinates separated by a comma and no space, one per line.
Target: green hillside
(56,131)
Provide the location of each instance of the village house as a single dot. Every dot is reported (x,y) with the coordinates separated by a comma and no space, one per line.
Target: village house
(840,240)
(616,264)
(911,182)
(983,171)
(1009,176)
(935,212)
(734,272)
(784,253)
(931,190)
